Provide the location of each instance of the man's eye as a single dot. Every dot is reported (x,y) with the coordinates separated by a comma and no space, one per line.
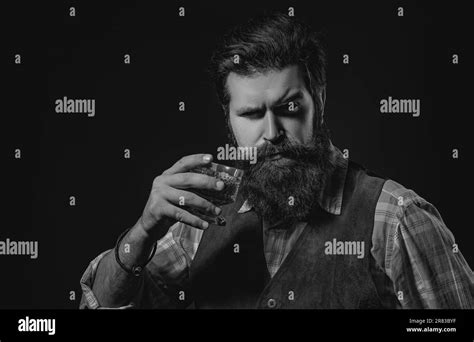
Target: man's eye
(292,107)
(252,115)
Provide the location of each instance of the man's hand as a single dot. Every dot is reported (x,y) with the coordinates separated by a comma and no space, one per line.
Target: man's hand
(164,206)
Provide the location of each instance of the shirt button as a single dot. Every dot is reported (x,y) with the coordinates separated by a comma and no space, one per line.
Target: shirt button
(271,303)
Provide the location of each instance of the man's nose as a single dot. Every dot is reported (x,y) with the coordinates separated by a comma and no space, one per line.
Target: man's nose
(273,130)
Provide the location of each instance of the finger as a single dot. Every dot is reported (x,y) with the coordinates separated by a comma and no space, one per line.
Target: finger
(194,180)
(219,220)
(185,217)
(188,199)
(189,162)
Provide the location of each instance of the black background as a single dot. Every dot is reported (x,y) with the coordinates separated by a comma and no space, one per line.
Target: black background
(66,155)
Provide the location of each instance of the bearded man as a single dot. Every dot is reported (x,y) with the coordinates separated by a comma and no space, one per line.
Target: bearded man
(309,228)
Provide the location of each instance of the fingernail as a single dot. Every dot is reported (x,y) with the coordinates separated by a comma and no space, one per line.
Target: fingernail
(205,225)
(217,210)
(207,158)
(220,185)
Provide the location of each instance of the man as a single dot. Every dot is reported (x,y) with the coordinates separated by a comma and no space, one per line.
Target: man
(309,229)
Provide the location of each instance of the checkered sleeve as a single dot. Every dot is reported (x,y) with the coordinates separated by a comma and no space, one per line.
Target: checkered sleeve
(419,253)
(168,269)
(174,254)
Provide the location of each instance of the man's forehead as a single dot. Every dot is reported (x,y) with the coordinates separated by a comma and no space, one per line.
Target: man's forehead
(268,86)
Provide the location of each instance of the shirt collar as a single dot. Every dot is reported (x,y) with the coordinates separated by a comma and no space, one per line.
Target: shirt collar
(330,199)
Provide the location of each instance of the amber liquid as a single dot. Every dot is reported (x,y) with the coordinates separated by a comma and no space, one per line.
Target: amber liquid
(217,197)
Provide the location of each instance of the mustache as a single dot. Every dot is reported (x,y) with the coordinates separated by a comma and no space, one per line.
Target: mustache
(288,149)
(315,152)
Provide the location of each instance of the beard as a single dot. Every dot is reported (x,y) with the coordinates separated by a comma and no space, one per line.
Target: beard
(284,184)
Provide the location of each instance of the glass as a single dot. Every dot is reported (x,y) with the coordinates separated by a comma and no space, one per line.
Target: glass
(231,176)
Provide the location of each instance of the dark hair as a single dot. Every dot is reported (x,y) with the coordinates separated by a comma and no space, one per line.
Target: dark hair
(270,42)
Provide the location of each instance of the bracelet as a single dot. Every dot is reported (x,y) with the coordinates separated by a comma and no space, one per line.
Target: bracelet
(136,270)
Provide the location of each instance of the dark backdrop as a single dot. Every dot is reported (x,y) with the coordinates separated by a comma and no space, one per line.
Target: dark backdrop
(137,108)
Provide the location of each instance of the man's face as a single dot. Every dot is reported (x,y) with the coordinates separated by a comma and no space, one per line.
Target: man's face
(263,106)
(275,112)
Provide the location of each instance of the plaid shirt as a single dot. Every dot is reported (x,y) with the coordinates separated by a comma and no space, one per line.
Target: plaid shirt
(410,244)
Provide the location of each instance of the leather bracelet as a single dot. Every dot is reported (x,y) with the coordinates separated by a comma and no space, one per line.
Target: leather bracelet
(135,270)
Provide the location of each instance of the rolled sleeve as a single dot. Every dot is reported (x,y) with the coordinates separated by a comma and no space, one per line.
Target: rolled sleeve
(88,299)
(163,280)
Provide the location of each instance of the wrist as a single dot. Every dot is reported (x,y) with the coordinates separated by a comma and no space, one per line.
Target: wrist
(142,232)
(139,235)
(133,251)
